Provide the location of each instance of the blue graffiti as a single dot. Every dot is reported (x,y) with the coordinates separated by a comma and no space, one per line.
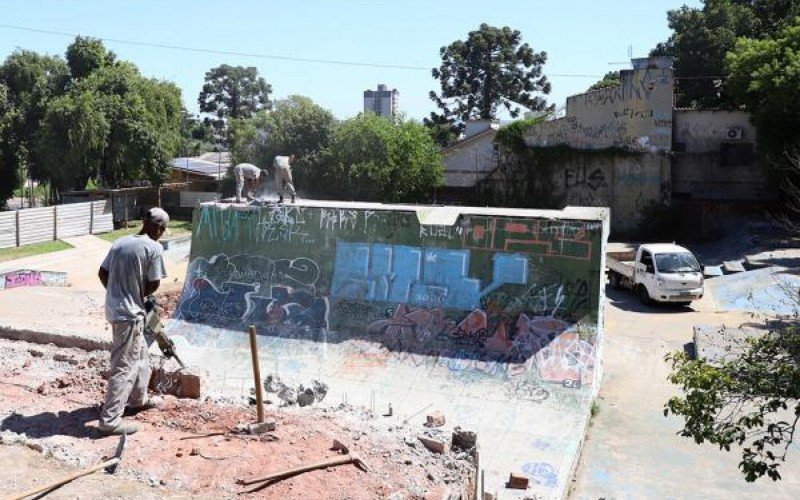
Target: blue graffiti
(542,473)
(418,276)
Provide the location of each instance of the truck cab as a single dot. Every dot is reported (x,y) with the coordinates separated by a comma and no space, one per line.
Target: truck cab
(661,272)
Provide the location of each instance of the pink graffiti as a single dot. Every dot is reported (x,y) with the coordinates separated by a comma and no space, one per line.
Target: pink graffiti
(560,356)
(411,325)
(23,278)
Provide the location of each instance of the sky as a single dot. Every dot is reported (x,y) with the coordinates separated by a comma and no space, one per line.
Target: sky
(581,37)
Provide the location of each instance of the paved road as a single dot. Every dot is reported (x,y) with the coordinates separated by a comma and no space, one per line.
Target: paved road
(632,450)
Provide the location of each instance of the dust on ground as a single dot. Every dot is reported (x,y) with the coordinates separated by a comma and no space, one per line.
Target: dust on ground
(51,401)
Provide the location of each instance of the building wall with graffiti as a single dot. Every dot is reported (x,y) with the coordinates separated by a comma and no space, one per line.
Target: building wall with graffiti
(634,115)
(502,291)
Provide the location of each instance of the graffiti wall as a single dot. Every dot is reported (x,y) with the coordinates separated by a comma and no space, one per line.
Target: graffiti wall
(27,277)
(502,290)
(635,115)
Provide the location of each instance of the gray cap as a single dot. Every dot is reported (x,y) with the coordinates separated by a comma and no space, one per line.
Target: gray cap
(157,216)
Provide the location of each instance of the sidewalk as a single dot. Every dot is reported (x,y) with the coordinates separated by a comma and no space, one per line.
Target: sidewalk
(71,316)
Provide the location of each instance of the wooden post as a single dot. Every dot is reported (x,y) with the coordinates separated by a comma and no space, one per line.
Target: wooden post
(17,226)
(55,222)
(257,375)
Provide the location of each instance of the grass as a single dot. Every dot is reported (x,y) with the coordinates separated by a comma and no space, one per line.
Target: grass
(176,228)
(7,254)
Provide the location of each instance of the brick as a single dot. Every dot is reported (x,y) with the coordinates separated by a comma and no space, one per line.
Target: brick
(435,419)
(517,481)
(432,444)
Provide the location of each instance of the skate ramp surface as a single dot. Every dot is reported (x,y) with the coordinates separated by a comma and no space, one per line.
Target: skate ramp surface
(491,316)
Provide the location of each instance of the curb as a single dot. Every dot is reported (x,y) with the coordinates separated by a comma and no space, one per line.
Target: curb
(58,339)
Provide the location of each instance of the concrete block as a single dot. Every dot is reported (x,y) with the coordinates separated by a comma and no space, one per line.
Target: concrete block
(517,481)
(192,383)
(433,445)
(435,419)
(267,425)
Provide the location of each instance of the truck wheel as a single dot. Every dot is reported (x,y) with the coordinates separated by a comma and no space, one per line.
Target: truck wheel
(644,297)
(615,281)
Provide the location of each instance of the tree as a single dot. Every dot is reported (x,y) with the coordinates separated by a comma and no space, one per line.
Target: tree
(233,92)
(9,175)
(86,55)
(492,68)
(296,126)
(752,401)
(610,79)
(30,81)
(764,78)
(702,38)
(72,141)
(373,159)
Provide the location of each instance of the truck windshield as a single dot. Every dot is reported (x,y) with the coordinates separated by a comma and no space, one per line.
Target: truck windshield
(676,263)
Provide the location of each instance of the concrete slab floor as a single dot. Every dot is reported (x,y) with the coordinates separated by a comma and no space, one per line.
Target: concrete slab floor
(632,451)
(539,437)
(77,310)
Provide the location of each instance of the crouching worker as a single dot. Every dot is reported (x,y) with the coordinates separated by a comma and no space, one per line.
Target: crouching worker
(250,179)
(131,271)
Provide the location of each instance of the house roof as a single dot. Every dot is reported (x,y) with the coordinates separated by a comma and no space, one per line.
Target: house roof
(212,170)
(486,133)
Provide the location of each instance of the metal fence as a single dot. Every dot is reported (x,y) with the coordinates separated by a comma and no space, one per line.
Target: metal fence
(34,225)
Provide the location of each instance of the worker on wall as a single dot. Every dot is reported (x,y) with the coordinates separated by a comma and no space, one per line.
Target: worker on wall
(283,176)
(249,178)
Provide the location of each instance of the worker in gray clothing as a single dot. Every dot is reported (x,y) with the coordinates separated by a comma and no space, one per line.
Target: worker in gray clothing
(283,176)
(249,177)
(131,271)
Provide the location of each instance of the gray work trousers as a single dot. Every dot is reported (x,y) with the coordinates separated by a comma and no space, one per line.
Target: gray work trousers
(283,179)
(129,372)
(248,185)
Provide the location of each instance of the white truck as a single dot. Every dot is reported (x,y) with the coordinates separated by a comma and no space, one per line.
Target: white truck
(660,272)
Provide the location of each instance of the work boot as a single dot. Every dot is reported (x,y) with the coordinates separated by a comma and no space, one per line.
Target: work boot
(293,197)
(122,428)
(152,403)
(280,199)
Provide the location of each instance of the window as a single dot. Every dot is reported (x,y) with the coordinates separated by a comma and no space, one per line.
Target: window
(677,263)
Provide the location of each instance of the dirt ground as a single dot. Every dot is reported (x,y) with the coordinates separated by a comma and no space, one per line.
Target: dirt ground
(49,403)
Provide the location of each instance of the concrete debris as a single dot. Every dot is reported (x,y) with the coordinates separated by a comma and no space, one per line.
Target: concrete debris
(188,382)
(435,419)
(267,425)
(65,359)
(433,445)
(517,481)
(301,396)
(464,440)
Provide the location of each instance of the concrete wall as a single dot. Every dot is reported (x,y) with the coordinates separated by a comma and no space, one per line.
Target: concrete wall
(624,182)
(470,161)
(713,162)
(635,115)
(521,289)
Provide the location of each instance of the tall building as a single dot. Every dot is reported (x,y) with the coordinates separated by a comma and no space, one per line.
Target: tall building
(382,102)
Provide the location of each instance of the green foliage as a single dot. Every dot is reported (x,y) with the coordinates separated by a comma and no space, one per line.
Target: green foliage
(86,55)
(492,68)
(702,37)
(765,78)
(511,136)
(750,401)
(610,79)
(373,159)
(296,126)
(233,92)
(30,81)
